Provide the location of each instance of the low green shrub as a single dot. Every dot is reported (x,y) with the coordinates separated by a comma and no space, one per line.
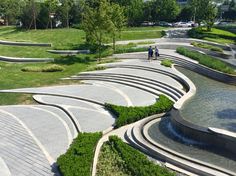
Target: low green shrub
(126,115)
(135,162)
(52,68)
(48,68)
(78,159)
(206,60)
(94,68)
(206,46)
(31,69)
(166,63)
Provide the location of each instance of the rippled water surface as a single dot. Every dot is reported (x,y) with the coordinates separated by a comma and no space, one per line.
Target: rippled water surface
(214,104)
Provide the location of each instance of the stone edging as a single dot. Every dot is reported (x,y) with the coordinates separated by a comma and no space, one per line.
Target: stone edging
(2,42)
(18,59)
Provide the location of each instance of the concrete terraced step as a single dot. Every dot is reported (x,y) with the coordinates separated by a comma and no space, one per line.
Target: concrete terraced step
(182,161)
(170,88)
(155,90)
(87,117)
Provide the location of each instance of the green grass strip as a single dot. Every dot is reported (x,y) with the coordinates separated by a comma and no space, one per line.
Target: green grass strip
(206,60)
(206,46)
(135,162)
(126,115)
(78,159)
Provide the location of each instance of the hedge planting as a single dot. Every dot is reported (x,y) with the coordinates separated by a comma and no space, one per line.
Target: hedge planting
(78,159)
(136,162)
(206,60)
(127,115)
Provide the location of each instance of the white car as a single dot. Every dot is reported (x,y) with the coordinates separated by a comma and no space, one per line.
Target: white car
(182,24)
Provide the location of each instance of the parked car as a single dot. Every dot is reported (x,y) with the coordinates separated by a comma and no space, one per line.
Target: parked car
(147,23)
(164,23)
(184,24)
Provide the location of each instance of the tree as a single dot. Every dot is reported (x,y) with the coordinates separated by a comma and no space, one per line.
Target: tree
(52,7)
(96,23)
(204,10)
(29,14)
(65,8)
(166,10)
(118,22)
(186,13)
(133,10)
(210,15)
(10,10)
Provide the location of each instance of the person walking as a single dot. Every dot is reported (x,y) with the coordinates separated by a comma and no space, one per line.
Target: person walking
(156,52)
(150,53)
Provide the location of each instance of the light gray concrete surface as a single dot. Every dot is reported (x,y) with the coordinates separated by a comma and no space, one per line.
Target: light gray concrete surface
(19,149)
(43,122)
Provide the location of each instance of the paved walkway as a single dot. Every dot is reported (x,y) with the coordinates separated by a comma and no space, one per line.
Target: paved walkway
(29,142)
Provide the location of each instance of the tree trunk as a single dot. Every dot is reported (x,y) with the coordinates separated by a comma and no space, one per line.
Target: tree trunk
(67,19)
(114,43)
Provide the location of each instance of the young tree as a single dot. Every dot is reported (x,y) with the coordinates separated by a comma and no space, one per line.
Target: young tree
(118,22)
(97,23)
(64,12)
(52,7)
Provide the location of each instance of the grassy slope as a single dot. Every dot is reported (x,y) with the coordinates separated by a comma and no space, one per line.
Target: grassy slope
(216,35)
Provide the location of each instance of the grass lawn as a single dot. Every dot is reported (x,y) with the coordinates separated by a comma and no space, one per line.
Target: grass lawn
(11,76)
(216,35)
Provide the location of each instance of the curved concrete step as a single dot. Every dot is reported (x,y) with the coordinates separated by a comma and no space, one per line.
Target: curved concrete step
(166,91)
(139,78)
(2,42)
(16,59)
(145,87)
(189,164)
(69,52)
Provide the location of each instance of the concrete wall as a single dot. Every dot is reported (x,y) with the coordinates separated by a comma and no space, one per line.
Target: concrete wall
(226,143)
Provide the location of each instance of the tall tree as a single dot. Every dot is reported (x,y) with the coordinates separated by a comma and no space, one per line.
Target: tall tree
(10,10)
(133,10)
(166,10)
(204,10)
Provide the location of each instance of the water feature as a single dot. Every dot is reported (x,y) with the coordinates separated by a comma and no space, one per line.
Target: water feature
(162,133)
(214,105)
